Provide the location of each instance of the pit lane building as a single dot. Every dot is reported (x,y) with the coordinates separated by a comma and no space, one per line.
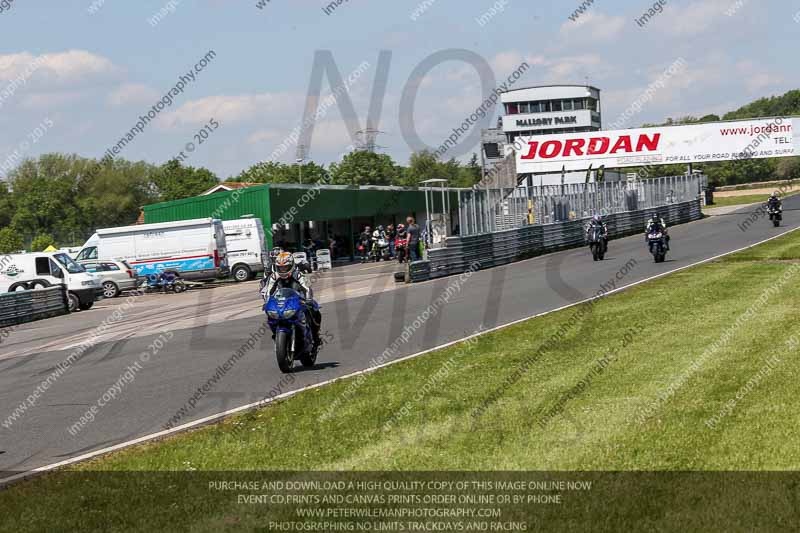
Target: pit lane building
(291,213)
(541,110)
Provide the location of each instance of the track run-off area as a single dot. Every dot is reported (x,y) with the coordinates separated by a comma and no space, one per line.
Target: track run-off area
(368,321)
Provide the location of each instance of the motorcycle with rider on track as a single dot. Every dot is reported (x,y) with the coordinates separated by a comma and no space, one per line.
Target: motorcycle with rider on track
(293,315)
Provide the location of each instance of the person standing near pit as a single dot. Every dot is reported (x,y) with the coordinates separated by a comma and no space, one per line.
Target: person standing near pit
(391,236)
(412,230)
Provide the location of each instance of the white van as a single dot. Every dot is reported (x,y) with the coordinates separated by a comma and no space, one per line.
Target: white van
(194,249)
(247,247)
(21,272)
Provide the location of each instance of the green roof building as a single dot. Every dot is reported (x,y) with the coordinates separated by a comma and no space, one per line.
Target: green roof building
(291,213)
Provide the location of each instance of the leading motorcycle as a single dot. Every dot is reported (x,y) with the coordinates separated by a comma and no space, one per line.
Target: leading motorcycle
(288,318)
(597,243)
(657,243)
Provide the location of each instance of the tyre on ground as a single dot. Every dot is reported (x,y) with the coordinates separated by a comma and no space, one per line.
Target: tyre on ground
(309,360)
(283,353)
(19,286)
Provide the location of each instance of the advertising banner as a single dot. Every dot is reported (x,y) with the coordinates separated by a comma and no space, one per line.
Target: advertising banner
(693,143)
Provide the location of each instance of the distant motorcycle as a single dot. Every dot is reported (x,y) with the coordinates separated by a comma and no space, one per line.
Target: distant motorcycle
(288,318)
(657,243)
(380,250)
(597,243)
(775,215)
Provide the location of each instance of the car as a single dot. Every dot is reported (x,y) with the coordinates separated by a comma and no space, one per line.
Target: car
(115,276)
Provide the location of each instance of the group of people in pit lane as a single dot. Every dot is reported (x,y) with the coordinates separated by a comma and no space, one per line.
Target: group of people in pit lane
(408,234)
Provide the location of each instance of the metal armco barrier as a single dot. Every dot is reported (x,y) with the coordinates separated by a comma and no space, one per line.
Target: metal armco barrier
(27,306)
(503,247)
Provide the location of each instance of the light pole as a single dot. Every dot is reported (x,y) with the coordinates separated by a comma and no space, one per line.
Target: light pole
(300,168)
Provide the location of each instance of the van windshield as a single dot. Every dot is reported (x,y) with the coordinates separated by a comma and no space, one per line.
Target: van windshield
(67,262)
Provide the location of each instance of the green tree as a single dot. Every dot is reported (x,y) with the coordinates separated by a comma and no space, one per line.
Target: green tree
(69,197)
(173,181)
(10,241)
(45,191)
(273,172)
(41,242)
(709,118)
(6,205)
(788,168)
(366,168)
(422,166)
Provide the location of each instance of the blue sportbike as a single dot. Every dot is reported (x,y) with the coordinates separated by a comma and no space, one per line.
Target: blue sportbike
(288,318)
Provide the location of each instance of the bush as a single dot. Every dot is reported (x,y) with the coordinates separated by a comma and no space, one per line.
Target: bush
(10,241)
(40,242)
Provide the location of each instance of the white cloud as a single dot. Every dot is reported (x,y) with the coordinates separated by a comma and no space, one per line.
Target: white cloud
(262,136)
(231,109)
(62,68)
(593,26)
(132,93)
(572,69)
(695,17)
(507,62)
(756,79)
(49,100)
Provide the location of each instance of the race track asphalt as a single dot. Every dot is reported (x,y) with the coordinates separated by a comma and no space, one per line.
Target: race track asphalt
(358,328)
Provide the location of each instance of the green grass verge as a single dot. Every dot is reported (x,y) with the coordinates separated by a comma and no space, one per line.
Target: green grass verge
(655,332)
(724,201)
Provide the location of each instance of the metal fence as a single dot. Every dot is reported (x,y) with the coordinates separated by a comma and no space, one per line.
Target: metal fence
(490,210)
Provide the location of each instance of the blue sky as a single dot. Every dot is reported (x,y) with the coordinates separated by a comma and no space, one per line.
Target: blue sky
(98,72)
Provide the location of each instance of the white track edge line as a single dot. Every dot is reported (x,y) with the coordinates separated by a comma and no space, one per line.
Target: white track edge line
(255,405)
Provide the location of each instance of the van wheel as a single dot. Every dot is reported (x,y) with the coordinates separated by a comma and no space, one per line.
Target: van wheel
(19,286)
(110,289)
(86,306)
(241,273)
(74,302)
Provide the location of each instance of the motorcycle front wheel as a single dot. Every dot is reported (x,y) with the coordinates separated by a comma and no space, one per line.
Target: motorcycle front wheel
(310,359)
(283,351)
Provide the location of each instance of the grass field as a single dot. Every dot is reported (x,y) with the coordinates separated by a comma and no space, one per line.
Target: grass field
(640,381)
(723,201)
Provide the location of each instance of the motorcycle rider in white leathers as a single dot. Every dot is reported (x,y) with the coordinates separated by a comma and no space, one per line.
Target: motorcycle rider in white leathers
(655,219)
(285,273)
